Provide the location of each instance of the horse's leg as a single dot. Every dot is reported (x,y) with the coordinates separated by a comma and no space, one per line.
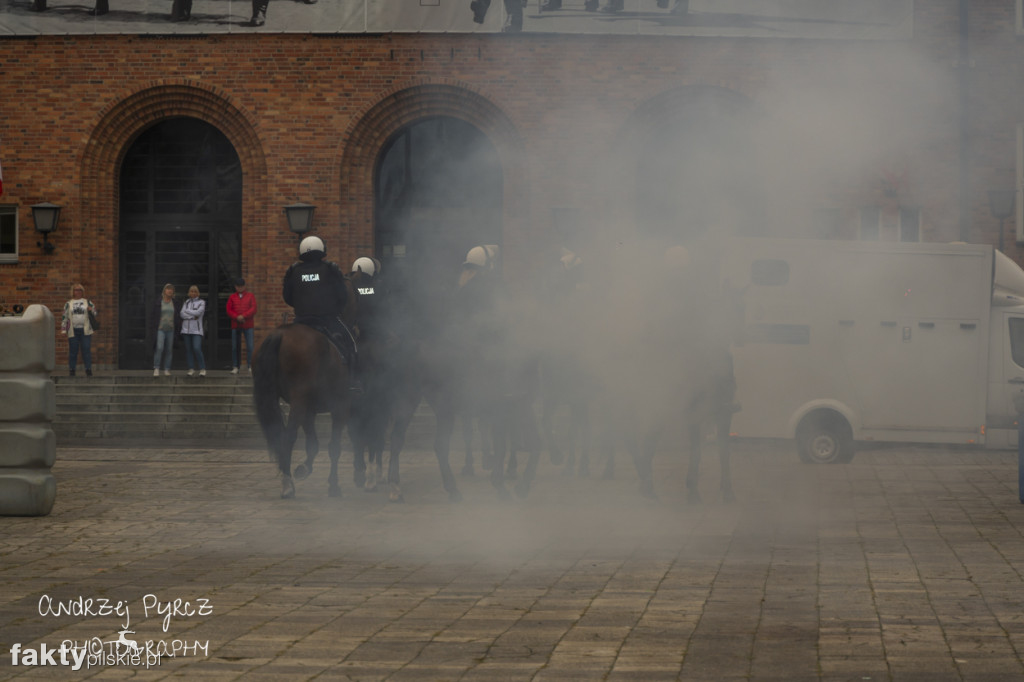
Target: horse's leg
(444,408)
(514,441)
(467,440)
(284,454)
(580,426)
(303,471)
(548,407)
(359,464)
(334,451)
(531,442)
(693,471)
(724,441)
(499,439)
(644,459)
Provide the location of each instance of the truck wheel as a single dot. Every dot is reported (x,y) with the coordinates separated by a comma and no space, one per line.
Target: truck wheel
(825,440)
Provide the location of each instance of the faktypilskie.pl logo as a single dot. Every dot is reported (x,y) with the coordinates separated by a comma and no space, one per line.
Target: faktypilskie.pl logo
(123,649)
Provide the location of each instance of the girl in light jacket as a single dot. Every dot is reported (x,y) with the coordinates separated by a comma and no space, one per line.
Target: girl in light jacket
(75,324)
(192,311)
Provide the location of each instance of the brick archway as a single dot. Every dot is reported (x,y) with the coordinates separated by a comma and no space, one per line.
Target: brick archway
(117,127)
(362,143)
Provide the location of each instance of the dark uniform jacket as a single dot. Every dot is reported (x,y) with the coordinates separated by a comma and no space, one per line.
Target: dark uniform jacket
(315,289)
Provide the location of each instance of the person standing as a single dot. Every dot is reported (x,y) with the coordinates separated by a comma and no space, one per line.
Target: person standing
(168,321)
(75,324)
(241,308)
(192,312)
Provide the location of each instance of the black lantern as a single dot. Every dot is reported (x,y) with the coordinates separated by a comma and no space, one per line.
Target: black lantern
(300,217)
(45,216)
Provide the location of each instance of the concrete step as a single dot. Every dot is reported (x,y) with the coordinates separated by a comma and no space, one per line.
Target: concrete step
(138,408)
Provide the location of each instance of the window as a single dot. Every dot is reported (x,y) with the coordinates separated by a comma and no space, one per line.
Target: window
(870,221)
(790,334)
(910,224)
(769,272)
(1017,340)
(8,234)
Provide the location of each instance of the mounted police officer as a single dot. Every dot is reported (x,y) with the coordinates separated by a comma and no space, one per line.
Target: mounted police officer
(316,289)
(371,295)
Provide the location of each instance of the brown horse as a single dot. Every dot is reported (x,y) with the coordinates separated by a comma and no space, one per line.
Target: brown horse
(299,365)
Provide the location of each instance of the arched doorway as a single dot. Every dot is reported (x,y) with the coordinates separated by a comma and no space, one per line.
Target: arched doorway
(694,169)
(181,222)
(437,193)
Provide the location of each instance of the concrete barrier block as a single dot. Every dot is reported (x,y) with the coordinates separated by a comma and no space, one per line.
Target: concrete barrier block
(29,341)
(26,492)
(27,398)
(27,446)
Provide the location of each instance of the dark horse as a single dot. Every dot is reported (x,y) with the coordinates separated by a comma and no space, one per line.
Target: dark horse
(297,364)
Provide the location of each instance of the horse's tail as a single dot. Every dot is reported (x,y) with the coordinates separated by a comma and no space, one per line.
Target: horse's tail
(266,392)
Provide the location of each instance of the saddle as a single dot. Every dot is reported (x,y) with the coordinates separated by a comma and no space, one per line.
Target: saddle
(342,340)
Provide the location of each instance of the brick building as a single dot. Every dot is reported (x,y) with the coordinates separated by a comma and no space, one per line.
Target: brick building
(173,155)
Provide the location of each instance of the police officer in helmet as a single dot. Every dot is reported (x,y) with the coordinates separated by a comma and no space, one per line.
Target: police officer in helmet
(316,289)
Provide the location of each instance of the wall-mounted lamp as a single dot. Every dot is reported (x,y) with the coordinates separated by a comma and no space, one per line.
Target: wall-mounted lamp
(300,217)
(45,216)
(1000,202)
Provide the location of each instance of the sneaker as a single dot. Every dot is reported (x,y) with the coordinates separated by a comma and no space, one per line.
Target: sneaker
(156,372)
(202,372)
(71,372)
(190,372)
(234,370)
(88,372)
(167,372)
(250,369)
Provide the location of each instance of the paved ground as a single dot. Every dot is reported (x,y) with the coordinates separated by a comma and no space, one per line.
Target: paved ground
(904,565)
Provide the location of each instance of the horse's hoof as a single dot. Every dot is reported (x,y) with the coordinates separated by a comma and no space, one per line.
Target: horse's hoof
(468,471)
(370,488)
(503,493)
(454,496)
(395,495)
(693,497)
(523,490)
(728,496)
(334,491)
(511,474)
(287,489)
(647,490)
(302,472)
(359,479)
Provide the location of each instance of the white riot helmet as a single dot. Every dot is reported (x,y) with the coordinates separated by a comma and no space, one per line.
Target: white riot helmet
(365,265)
(482,256)
(312,243)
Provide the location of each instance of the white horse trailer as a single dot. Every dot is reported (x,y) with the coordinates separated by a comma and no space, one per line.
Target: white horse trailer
(848,342)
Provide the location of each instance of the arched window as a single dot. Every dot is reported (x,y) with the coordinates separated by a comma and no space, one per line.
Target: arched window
(438,193)
(181,223)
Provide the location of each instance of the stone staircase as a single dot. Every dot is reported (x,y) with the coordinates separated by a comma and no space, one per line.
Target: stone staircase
(138,407)
(135,408)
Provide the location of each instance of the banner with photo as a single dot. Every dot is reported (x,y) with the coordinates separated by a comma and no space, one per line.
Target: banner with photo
(838,19)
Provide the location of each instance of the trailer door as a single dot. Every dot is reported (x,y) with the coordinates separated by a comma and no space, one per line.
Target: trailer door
(1009,381)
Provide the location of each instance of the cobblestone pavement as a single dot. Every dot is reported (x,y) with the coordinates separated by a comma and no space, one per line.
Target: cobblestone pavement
(903,565)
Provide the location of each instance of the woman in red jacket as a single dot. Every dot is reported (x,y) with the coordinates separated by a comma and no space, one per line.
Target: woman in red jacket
(241,309)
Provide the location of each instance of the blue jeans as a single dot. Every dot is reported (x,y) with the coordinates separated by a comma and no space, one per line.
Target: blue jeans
(79,339)
(164,349)
(235,333)
(194,347)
